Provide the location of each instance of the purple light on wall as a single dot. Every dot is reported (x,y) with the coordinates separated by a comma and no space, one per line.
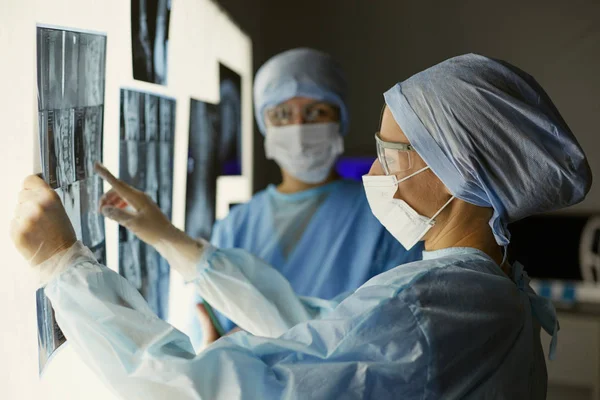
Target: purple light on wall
(354,167)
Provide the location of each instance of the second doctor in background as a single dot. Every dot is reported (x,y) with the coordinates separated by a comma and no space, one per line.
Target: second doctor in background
(315,228)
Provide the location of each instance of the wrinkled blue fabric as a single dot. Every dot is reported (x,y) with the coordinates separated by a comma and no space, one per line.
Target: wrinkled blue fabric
(334,246)
(542,308)
(452,326)
(300,72)
(493,136)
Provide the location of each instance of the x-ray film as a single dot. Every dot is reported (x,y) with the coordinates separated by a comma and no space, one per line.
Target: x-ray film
(230,108)
(215,149)
(150,39)
(203,167)
(50,337)
(70,77)
(146,162)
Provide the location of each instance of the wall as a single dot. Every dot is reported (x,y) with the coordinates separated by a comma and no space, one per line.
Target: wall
(200,35)
(382,42)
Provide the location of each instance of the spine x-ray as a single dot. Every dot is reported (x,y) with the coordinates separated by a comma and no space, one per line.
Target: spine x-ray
(146,162)
(150,39)
(201,192)
(70,77)
(215,147)
(230,140)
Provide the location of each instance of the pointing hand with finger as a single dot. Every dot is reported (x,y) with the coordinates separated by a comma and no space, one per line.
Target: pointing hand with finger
(133,209)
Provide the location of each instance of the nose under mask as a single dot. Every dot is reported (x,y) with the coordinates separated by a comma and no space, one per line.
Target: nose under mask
(397,216)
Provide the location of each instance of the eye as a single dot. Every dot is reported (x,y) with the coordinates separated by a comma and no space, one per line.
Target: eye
(279,115)
(314,114)
(320,111)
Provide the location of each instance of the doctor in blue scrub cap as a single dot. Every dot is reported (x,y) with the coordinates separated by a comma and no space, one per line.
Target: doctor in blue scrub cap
(464,148)
(314,228)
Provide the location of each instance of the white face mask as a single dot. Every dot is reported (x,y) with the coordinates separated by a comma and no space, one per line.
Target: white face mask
(307,151)
(400,219)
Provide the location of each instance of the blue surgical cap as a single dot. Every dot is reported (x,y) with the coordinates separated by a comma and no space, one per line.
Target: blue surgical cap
(493,136)
(300,73)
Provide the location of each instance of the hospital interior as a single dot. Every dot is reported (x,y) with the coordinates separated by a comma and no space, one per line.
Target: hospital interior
(250,248)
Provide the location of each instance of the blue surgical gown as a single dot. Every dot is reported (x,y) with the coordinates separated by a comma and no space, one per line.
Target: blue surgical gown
(325,240)
(451,326)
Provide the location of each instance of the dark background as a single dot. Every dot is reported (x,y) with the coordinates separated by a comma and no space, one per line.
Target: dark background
(382,42)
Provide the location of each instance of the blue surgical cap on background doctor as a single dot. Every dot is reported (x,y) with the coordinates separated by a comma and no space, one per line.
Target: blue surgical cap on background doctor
(493,136)
(300,73)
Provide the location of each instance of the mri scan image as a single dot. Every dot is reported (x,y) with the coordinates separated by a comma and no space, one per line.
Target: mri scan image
(150,39)
(70,77)
(230,114)
(203,167)
(146,162)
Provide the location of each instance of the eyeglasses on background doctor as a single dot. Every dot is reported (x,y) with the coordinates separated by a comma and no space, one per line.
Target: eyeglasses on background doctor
(287,114)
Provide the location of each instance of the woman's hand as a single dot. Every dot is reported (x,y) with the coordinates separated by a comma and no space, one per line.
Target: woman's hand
(136,211)
(209,332)
(40,228)
(133,209)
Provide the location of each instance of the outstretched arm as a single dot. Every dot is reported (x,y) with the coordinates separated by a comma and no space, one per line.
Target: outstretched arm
(142,357)
(251,293)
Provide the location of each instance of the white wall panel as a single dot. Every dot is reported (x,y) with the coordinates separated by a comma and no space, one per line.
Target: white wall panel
(200,36)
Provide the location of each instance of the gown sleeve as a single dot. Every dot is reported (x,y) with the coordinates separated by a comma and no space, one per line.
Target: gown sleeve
(269,304)
(140,356)
(254,295)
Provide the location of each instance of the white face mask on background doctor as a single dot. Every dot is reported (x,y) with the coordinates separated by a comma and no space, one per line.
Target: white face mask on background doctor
(304,137)
(306,151)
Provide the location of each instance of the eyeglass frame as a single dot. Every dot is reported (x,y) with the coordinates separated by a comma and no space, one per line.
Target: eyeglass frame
(335,108)
(393,145)
(381,145)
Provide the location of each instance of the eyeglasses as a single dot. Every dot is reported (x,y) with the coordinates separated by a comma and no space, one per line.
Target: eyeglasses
(286,114)
(393,157)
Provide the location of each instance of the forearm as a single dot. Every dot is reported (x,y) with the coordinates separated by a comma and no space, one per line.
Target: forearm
(181,252)
(140,356)
(115,332)
(248,291)
(251,293)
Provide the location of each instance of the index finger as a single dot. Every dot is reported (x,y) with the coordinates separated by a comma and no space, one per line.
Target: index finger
(131,195)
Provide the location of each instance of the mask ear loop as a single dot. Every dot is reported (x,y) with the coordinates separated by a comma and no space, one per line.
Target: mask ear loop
(432,219)
(398,181)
